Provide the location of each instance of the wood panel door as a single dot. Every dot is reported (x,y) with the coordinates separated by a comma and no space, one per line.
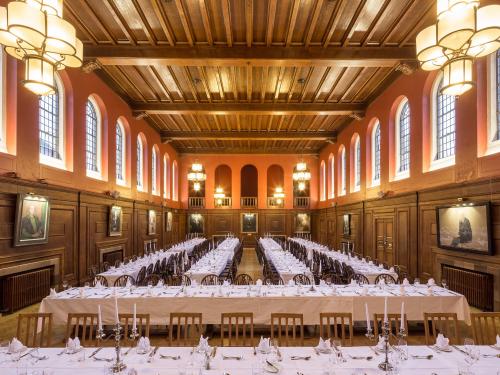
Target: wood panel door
(384,237)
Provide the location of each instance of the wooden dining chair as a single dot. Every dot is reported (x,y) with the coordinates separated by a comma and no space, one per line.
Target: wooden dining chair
(301,279)
(236,325)
(83,326)
(389,279)
(123,280)
(337,326)
(445,323)
(211,279)
(274,280)
(188,328)
(359,278)
(243,279)
(127,321)
(154,279)
(394,325)
(35,329)
(485,327)
(141,276)
(289,328)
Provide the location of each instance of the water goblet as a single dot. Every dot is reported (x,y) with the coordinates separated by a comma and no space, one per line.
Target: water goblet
(444,283)
(65,284)
(416,282)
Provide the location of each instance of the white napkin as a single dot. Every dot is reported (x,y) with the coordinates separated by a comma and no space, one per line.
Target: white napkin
(353,282)
(290,282)
(370,262)
(81,292)
(194,283)
(144,345)
(322,283)
(391,269)
(53,293)
(15,346)
(406,282)
(364,290)
(149,291)
(431,282)
(160,283)
(73,344)
(264,344)
(381,282)
(441,341)
(225,283)
(98,284)
(324,345)
(381,343)
(258,282)
(129,283)
(203,345)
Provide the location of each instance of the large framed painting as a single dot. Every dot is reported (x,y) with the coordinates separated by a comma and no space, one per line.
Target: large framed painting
(169,221)
(32,220)
(465,227)
(302,223)
(151,222)
(196,223)
(346,224)
(249,222)
(115,221)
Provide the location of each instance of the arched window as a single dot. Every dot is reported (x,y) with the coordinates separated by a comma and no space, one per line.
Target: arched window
(403,140)
(443,127)
(175,178)
(331,173)
(140,164)
(376,154)
(357,164)
(93,124)
(3,99)
(154,172)
(166,176)
(120,154)
(343,176)
(51,127)
(322,181)
(493,130)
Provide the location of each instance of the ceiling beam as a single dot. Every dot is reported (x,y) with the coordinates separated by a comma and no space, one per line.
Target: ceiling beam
(255,56)
(228,135)
(242,150)
(249,108)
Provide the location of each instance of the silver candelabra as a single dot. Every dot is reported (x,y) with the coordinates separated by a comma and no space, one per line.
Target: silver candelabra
(118,365)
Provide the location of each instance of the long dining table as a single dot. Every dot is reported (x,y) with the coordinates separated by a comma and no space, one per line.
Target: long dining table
(261,300)
(358,360)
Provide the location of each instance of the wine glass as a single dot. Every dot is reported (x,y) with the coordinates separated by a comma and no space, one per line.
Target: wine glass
(416,282)
(472,352)
(65,284)
(444,283)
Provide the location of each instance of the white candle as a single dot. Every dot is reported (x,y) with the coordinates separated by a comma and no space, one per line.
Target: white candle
(402,316)
(99,317)
(134,323)
(385,310)
(117,320)
(368,325)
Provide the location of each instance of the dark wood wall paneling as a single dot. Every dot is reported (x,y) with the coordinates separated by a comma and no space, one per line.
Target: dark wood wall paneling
(412,221)
(78,229)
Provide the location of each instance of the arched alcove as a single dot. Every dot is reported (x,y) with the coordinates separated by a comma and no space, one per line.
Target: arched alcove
(275,179)
(223,177)
(249,178)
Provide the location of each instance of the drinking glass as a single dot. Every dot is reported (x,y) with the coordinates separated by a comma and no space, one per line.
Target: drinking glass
(472,352)
(87,285)
(402,347)
(416,281)
(444,283)
(65,284)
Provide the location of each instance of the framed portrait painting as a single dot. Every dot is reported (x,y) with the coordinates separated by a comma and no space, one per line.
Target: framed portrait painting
(32,220)
(346,225)
(115,221)
(169,221)
(465,227)
(302,223)
(151,222)
(196,223)
(249,222)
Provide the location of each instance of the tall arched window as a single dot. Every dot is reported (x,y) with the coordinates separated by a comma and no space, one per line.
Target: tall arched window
(322,181)
(166,176)
(140,164)
(3,94)
(175,179)
(493,130)
(120,154)
(443,127)
(376,154)
(51,127)
(357,164)
(331,173)
(154,172)
(343,172)
(403,140)
(93,124)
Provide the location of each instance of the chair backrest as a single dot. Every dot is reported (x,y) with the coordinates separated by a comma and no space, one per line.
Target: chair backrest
(333,278)
(359,278)
(123,279)
(243,279)
(211,280)
(394,324)
(101,279)
(153,279)
(92,272)
(127,321)
(236,326)
(485,327)
(301,279)
(445,323)
(35,329)
(83,326)
(386,277)
(188,328)
(336,325)
(118,262)
(274,280)
(149,270)
(141,275)
(289,329)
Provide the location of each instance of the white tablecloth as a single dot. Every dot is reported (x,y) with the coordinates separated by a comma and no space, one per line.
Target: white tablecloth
(250,364)
(188,245)
(262,301)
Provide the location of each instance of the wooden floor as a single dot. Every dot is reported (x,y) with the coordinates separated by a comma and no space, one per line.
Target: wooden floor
(249,265)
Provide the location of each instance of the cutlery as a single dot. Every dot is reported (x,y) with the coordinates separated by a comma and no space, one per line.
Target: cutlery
(62,352)
(491,355)
(254,351)
(460,350)
(276,369)
(214,351)
(103,359)
(152,354)
(368,357)
(95,352)
(174,357)
(129,349)
(433,348)
(429,356)
(296,358)
(28,352)
(237,357)
(316,351)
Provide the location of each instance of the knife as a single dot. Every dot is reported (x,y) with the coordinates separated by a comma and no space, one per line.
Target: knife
(28,352)
(152,354)
(460,350)
(95,352)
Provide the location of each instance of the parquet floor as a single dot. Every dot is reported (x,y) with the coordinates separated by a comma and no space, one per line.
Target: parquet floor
(250,266)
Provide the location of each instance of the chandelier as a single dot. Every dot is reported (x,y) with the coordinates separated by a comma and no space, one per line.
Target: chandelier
(301,175)
(196,173)
(219,195)
(35,32)
(279,194)
(463,31)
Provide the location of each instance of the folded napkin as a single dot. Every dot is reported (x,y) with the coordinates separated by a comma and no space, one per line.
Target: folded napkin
(73,344)
(194,283)
(381,343)
(149,291)
(370,262)
(203,345)
(160,283)
(264,344)
(353,282)
(290,282)
(225,283)
(381,282)
(15,346)
(441,341)
(81,292)
(98,284)
(431,282)
(53,292)
(406,282)
(129,283)
(391,269)
(324,345)
(322,283)
(144,345)
(364,290)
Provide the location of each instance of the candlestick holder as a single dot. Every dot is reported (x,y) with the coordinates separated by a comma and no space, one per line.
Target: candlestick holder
(369,334)
(118,366)
(402,333)
(386,366)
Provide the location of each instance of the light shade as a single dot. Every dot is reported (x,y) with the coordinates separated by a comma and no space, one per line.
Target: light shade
(444,6)
(454,29)
(61,36)
(197,167)
(486,39)
(429,54)
(301,166)
(457,76)
(278,192)
(39,75)
(26,23)
(219,193)
(302,186)
(196,186)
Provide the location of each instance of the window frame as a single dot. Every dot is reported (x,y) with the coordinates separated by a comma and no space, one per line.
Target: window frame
(343,172)
(493,95)
(376,180)
(3,102)
(166,176)
(140,164)
(322,181)
(154,172)
(331,167)
(175,179)
(90,173)
(357,164)
(123,180)
(398,174)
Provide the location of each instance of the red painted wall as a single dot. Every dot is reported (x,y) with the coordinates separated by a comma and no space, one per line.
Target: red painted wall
(471,109)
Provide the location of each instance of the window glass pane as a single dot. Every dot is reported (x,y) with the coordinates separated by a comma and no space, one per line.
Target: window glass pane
(343,170)
(376,155)
(92,135)
(119,153)
(48,113)
(497,135)
(404,138)
(358,163)
(139,163)
(153,170)
(445,132)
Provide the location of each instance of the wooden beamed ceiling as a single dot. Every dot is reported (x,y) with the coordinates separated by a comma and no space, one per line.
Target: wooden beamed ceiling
(249,75)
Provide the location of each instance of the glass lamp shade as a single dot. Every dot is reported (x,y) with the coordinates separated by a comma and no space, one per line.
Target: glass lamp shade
(444,6)
(6,38)
(487,37)
(61,36)
(301,166)
(39,75)
(54,7)
(457,76)
(454,29)
(429,54)
(26,23)
(278,192)
(196,186)
(197,167)
(75,60)
(302,186)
